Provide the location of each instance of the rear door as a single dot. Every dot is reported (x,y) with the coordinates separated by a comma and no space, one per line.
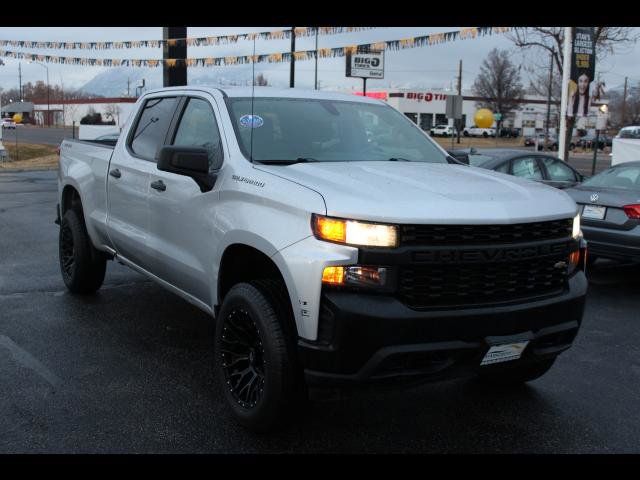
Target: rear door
(128,181)
(527,167)
(558,174)
(181,237)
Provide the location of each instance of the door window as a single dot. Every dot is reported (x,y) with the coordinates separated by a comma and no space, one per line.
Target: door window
(198,128)
(558,171)
(526,167)
(151,130)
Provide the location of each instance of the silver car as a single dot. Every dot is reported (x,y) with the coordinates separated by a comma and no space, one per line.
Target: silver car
(610,212)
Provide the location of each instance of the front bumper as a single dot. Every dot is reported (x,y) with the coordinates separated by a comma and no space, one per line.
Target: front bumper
(615,244)
(376,338)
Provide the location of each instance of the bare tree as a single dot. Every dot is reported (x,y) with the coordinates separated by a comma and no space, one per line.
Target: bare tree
(261,81)
(498,83)
(632,107)
(547,41)
(112,111)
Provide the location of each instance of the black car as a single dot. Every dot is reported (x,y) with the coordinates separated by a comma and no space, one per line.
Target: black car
(610,212)
(588,141)
(522,163)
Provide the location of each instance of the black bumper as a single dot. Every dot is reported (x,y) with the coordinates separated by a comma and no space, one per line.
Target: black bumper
(377,338)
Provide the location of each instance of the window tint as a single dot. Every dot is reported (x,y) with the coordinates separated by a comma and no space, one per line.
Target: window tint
(558,171)
(504,168)
(152,127)
(527,167)
(620,177)
(198,128)
(327,130)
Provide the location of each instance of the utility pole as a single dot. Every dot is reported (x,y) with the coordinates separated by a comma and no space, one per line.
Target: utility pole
(20,79)
(316,76)
(546,130)
(459,121)
(292,72)
(128,86)
(624,102)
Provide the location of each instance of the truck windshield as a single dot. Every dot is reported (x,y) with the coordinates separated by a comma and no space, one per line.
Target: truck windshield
(291,129)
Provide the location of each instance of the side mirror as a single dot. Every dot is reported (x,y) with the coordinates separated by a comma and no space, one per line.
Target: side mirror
(188,161)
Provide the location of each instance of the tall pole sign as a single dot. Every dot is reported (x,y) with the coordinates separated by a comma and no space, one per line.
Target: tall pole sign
(365,65)
(579,68)
(173,49)
(566,69)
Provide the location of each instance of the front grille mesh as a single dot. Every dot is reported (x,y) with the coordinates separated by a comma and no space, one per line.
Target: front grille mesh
(456,285)
(484,234)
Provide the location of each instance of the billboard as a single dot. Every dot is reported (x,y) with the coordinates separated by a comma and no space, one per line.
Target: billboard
(583,66)
(365,65)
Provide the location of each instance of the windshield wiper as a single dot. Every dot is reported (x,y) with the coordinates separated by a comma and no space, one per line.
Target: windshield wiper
(399,159)
(288,162)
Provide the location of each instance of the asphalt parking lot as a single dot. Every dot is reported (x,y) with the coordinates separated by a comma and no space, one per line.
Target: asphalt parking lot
(129,370)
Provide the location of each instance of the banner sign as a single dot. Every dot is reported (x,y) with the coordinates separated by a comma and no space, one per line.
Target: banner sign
(583,67)
(365,65)
(277,57)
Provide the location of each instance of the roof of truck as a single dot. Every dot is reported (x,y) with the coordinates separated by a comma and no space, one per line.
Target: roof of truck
(266,92)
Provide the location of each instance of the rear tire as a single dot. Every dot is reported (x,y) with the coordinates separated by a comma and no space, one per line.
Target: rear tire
(82,266)
(518,375)
(255,356)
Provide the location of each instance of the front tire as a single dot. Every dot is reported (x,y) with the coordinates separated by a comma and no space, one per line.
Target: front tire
(82,266)
(255,356)
(517,375)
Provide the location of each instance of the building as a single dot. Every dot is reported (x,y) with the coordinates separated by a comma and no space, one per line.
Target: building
(117,109)
(23,108)
(427,109)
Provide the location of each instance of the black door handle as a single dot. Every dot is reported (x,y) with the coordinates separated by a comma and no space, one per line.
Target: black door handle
(115,173)
(158,185)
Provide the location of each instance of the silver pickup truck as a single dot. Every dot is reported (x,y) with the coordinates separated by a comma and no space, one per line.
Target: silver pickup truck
(331,239)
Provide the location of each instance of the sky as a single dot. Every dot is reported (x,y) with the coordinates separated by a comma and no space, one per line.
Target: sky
(434,66)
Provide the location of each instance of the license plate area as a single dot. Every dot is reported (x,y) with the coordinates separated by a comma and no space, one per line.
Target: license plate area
(506,348)
(594,212)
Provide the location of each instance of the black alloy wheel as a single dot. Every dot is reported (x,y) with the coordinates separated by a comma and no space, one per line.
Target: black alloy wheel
(243,359)
(67,253)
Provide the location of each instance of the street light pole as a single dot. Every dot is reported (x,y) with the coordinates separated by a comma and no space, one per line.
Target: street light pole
(48,104)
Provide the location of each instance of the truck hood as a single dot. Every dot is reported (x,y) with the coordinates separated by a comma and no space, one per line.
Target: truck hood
(412,192)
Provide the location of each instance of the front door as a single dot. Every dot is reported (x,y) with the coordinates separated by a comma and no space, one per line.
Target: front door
(182,238)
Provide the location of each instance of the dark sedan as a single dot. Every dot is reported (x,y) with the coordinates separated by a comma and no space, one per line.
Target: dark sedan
(610,212)
(522,163)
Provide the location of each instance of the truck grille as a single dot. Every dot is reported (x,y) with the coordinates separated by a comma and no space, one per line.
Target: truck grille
(484,234)
(427,286)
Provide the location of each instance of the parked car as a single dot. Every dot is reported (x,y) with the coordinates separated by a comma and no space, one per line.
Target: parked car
(589,140)
(8,123)
(552,142)
(629,132)
(443,131)
(533,166)
(510,132)
(609,204)
(474,131)
(325,258)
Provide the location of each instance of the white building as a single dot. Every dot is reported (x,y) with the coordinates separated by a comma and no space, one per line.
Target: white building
(427,109)
(116,109)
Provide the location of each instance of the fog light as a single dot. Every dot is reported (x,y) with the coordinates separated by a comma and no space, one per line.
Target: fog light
(333,275)
(356,276)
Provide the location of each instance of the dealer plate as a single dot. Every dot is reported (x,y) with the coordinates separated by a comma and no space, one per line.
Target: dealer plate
(504,353)
(594,211)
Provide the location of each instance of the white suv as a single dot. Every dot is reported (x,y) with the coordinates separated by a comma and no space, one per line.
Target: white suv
(443,131)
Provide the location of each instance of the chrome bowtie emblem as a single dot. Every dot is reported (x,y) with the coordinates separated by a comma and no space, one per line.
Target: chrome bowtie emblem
(594,197)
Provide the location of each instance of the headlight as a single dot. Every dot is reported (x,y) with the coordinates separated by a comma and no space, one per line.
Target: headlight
(352,232)
(576,227)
